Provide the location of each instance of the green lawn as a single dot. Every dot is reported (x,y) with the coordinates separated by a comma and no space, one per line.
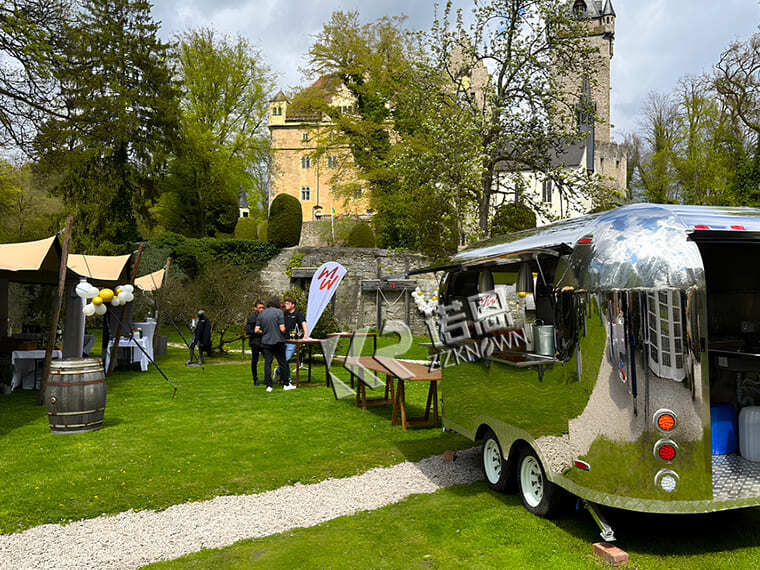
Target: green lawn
(471,527)
(219,436)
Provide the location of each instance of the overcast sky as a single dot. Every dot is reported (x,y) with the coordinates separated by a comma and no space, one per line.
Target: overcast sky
(656,41)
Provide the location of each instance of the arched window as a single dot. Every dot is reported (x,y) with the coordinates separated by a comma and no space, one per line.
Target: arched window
(305,162)
(579,8)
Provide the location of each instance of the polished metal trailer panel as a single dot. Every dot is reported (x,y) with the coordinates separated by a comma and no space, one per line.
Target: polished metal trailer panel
(626,291)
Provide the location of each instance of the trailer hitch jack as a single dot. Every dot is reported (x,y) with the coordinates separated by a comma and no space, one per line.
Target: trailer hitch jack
(608,535)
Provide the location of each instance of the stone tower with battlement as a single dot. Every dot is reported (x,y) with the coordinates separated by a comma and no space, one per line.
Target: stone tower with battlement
(600,16)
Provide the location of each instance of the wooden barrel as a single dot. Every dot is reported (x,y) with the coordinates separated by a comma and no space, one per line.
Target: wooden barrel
(76,395)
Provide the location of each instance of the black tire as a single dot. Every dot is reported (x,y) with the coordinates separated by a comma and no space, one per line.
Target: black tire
(495,468)
(539,495)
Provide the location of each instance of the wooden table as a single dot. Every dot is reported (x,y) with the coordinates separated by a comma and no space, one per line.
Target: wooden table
(401,372)
(299,342)
(351,335)
(412,372)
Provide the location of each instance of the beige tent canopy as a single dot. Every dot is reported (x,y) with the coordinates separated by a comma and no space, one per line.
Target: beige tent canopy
(151,281)
(31,261)
(99,267)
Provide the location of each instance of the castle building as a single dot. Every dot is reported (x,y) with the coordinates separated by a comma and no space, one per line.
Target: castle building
(597,154)
(299,170)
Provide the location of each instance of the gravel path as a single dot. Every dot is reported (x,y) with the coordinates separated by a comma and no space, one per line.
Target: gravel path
(131,539)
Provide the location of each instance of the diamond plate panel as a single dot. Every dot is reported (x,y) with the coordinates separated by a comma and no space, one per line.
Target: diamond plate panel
(735,478)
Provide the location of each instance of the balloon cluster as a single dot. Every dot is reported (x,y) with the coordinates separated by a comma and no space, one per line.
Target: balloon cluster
(100,297)
(426,306)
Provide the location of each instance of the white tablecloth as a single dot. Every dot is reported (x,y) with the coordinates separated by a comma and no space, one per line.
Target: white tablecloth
(134,353)
(148,328)
(27,365)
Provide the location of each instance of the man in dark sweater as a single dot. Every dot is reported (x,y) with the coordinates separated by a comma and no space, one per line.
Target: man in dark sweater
(295,327)
(254,340)
(271,324)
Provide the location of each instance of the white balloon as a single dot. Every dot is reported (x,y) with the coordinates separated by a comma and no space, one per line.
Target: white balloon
(123,297)
(93,292)
(88,309)
(101,309)
(82,288)
(130,297)
(128,288)
(115,302)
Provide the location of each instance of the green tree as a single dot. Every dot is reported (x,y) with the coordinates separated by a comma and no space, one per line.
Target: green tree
(27,211)
(105,156)
(32,33)
(224,143)
(737,82)
(415,168)
(523,113)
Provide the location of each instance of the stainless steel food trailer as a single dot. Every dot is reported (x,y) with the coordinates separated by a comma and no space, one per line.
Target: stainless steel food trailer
(586,355)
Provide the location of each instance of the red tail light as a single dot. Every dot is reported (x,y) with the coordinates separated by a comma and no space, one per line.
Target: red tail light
(666,450)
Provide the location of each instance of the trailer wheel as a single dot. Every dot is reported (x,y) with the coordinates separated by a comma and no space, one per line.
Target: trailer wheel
(495,468)
(539,495)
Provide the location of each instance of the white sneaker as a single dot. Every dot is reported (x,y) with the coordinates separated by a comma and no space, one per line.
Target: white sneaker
(289,387)
(269,388)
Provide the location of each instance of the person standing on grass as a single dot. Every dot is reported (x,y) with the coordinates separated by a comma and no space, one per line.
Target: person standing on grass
(271,324)
(254,340)
(201,338)
(295,327)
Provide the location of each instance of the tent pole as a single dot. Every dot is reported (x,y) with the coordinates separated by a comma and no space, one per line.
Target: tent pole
(53,326)
(3,307)
(158,317)
(115,347)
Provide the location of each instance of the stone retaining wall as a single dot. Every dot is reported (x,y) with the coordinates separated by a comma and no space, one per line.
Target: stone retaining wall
(354,307)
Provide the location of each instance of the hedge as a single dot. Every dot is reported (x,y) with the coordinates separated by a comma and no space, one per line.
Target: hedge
(246,228)
(285,220)
(361,236)
(192,254)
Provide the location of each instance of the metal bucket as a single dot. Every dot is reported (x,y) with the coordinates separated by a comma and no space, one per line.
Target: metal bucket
(543,339)
(76,395)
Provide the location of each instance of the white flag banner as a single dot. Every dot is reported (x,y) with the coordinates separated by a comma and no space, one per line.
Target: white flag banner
(323,285)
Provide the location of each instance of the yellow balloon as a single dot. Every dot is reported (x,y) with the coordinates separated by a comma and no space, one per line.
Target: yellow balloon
(118,290)
(106,295)
(97,300)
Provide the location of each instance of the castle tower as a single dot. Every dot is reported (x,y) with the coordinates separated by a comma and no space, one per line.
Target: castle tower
(600,16)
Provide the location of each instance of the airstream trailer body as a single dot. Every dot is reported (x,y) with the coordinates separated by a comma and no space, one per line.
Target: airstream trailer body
(594,355)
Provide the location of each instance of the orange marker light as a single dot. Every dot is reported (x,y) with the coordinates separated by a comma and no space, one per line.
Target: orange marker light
(666,422)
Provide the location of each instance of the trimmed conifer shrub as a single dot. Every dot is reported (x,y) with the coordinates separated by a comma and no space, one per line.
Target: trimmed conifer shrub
(512,217)
(246,228)
(361,236)
(284,221)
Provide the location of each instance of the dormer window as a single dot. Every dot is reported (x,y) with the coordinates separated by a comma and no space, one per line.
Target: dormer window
(579,8)
(277,110)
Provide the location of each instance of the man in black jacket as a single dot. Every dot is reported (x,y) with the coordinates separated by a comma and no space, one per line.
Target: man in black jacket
(201,338)
(254,340)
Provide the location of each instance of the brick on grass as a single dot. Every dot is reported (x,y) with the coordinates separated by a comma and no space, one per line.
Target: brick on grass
(610,553)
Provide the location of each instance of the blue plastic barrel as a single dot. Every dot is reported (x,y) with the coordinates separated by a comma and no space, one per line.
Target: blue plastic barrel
(724,431)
